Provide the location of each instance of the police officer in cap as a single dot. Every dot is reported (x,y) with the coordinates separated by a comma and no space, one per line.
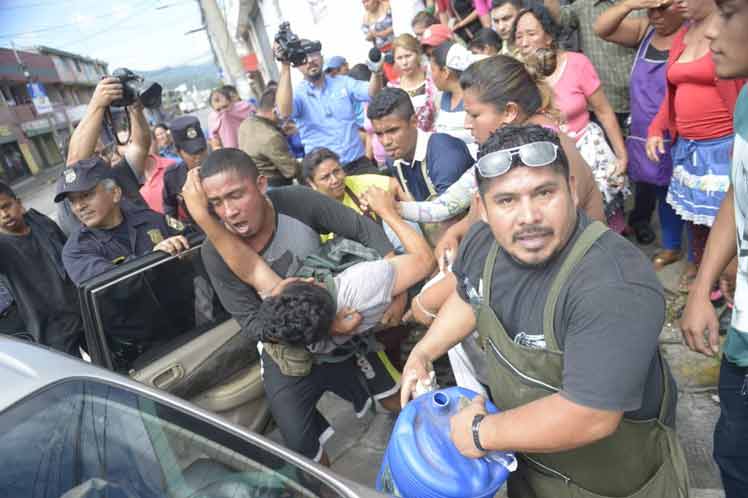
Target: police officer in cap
(113,230)
(193,149)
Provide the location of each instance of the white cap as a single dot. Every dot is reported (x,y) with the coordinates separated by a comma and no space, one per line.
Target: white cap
(459,58)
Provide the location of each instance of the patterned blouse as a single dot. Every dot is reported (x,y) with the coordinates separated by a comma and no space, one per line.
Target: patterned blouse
(424,101)
(380,25)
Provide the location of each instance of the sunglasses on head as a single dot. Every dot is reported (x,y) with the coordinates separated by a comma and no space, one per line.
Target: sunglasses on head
(534,155)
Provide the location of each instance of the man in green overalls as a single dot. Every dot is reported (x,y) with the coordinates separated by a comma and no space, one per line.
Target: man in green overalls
(569,314)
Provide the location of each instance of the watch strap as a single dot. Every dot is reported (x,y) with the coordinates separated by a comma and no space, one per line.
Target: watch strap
(476,435)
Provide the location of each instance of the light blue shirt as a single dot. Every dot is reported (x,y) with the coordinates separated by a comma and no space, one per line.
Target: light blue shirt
(326,117)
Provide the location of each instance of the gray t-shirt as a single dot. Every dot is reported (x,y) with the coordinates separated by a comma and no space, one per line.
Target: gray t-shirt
(608,317)
(367,288)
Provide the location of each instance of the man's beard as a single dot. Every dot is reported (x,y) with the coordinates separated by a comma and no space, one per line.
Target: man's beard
(315,77)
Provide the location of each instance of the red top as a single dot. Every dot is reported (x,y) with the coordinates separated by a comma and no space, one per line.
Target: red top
(700,112)
(153,188)
(728,91)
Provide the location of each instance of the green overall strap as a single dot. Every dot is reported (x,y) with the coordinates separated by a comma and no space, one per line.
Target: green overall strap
(485,284)
(585,241)
(488,272)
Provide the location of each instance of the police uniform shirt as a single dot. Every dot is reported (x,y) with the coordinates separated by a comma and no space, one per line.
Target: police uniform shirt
(91,251)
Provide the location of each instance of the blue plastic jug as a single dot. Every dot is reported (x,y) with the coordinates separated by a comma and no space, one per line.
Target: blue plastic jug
(422,462)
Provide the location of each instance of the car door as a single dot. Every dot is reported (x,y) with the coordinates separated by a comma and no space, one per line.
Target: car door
(89,436)
(158,320)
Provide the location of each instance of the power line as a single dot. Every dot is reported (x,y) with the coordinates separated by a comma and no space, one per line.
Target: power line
(32,5)
(109,29)
(52,28)
(77,25)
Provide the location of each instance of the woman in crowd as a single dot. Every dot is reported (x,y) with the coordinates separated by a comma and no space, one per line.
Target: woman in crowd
(224,120)
(696,113)
(486,42)
(653,35)
(577,88)
(164,143)
(415,80)
(498,91)
(377,28)
(448,60)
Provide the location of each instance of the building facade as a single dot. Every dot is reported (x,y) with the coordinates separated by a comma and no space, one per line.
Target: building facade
(43,96)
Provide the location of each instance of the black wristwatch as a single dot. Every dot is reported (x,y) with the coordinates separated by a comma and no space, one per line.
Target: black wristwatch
(476,436)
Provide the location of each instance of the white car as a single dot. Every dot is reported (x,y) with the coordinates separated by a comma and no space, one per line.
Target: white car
(69,429)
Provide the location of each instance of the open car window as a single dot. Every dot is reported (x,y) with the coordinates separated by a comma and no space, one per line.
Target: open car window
(84,437)
(144,309)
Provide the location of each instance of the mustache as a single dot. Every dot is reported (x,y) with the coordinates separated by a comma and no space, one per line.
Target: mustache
(532,230)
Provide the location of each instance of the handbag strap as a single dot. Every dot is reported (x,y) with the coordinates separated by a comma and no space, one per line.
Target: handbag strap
(357,202)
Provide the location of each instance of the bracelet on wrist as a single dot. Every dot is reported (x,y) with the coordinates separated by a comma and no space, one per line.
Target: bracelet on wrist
(476,431)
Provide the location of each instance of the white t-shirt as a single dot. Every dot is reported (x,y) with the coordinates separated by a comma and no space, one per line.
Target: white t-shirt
(739,182)
(367,288)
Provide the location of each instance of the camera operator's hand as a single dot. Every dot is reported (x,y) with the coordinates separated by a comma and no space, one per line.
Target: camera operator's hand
(280,55)
(107,91)
(136,106)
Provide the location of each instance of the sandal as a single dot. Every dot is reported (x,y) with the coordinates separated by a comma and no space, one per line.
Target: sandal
(665,258)
(687,278)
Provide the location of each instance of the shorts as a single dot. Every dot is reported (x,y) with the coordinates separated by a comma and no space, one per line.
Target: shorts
(293,400)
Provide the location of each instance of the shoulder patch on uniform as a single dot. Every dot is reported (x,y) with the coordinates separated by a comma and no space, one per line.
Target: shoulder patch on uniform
(174,223)
(155,235)
(70,176)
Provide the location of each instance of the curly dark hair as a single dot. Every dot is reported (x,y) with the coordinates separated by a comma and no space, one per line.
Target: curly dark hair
(511,136)
(300,315)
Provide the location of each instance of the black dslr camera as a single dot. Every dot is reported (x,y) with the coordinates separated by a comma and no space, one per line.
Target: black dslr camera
(293,49)
(134,88)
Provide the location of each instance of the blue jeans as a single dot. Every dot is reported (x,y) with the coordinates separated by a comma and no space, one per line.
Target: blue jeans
(671,224)
(731,432)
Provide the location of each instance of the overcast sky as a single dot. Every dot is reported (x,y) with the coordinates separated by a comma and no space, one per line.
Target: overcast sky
(132,34)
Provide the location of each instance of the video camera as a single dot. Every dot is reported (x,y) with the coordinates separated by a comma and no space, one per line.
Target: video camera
(134,88)
(293,49)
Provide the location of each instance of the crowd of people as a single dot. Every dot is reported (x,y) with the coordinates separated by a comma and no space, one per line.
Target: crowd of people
(476,176)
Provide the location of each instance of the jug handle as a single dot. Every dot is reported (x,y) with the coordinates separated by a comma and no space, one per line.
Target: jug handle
(508,460)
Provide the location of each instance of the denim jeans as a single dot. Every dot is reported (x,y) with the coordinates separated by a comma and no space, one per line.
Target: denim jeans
(731,432)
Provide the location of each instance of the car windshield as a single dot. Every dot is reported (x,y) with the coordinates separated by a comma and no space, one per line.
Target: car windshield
(84,438)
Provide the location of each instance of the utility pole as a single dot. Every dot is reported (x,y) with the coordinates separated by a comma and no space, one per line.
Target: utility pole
(223,45)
